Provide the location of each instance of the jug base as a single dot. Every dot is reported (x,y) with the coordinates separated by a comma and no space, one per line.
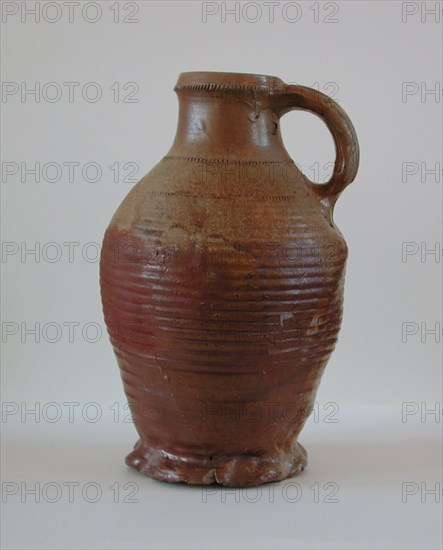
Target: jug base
(233,470)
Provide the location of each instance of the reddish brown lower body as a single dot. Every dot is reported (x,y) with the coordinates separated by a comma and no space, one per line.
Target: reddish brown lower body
(221,349)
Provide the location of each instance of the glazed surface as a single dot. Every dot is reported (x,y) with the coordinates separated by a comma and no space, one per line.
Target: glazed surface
(222,285)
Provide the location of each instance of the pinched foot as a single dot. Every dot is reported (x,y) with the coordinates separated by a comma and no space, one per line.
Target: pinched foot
(235,470)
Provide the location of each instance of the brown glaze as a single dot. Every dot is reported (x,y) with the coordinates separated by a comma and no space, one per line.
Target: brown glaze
(222,284)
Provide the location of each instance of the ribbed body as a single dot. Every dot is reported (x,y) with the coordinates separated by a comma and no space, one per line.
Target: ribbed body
(222,287)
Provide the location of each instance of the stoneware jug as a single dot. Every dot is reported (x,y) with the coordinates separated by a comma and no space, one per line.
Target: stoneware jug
(222,284)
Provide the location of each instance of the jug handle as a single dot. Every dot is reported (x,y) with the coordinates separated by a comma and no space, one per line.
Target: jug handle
(302,98)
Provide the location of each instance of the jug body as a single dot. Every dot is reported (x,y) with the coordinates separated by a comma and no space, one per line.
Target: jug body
(222,279)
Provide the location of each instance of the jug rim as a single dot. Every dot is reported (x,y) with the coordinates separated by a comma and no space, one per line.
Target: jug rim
(210,80)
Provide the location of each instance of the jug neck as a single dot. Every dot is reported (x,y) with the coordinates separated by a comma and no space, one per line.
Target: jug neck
(229,116)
